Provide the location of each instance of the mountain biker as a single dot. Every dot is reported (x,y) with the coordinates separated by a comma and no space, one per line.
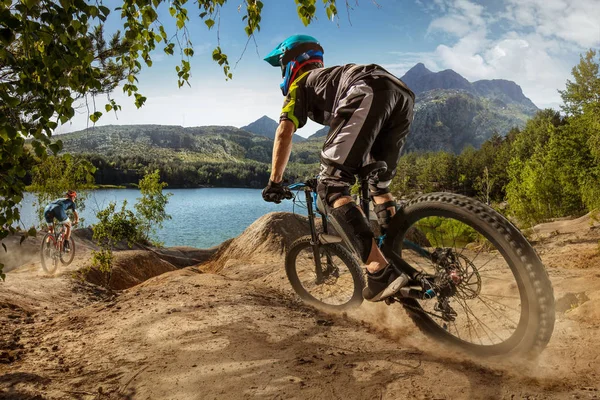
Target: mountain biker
(369,112)
(58,209)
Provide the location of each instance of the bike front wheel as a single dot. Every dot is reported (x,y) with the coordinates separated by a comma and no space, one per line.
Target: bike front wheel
(494,296)
(337,286)
(49,254)
(66,258)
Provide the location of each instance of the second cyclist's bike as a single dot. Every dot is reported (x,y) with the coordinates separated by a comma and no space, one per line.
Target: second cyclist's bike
(53,249)
(475,281)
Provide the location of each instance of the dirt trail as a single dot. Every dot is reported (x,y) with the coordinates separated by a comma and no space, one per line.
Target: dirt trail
(241,333)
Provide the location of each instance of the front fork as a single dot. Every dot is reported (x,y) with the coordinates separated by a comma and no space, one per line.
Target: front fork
(314,235)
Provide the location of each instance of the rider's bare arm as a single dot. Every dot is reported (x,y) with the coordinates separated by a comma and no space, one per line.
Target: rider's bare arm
(282,149)
(76,217)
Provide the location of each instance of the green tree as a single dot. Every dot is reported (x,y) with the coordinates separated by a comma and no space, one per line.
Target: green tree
(124,225)
(114,227)
(533,191)
(584,93)
(582,103)
(151,207)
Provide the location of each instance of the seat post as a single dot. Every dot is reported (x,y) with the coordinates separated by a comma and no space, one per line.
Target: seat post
(364,196)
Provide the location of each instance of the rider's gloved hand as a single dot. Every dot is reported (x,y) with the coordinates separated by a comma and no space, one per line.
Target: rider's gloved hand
(275,192)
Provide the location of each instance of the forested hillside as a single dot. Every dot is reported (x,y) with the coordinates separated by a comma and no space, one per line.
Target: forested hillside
(187,157)
(452,113)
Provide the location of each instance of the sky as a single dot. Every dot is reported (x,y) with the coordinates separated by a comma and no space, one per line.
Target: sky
(534,43)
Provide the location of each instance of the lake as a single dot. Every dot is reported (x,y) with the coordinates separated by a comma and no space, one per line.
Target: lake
(200,217)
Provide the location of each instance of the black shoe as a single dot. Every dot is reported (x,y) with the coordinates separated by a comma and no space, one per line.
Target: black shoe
(384,283)
(66,247)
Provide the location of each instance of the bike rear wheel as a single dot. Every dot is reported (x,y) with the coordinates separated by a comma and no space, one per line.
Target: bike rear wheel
(489,275)
(67,258)
(340,285)
(49,254)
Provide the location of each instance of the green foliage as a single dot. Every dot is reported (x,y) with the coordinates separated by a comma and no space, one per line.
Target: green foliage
(446,232)
(51,54)
(114,227)
(151,206)
(583,95)
(126,226)
(555,170)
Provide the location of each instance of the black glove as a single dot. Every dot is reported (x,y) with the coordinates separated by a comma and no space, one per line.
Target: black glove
(275,192)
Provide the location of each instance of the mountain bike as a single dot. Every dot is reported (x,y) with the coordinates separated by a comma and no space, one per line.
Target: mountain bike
(475,281)
(53,249)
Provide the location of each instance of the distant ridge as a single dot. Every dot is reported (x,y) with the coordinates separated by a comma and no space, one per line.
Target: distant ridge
(420,80)
(265,126)
(319,134)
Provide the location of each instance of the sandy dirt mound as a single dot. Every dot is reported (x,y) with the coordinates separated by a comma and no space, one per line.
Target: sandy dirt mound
(265,240)
(569,243)
(567,225)
(242,333)
(28,252)
(130,268)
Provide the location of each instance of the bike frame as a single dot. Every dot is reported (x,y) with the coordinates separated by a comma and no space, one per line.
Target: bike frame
(309,189)
(58,234)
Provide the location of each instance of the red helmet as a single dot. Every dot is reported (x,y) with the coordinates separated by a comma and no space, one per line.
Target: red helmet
(72,194)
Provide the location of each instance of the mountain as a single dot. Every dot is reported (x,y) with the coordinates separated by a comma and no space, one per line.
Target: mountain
(452,113)
(419,79)
(265,126)
(321,133)
(503,90)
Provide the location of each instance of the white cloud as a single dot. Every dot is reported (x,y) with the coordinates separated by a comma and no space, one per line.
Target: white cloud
(577,22)
(463,17)
(536,49)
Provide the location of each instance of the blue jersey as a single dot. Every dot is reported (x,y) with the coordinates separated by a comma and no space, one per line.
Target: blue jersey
(65,204)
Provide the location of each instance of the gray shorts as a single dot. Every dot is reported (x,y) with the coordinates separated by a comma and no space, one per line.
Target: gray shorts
(370,123)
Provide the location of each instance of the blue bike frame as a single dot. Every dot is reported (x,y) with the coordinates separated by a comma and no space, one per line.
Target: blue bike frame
(365,206)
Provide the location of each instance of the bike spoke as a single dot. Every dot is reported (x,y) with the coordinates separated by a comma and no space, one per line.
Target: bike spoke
(496,310)
(497,302)
(470,325)
(481,323)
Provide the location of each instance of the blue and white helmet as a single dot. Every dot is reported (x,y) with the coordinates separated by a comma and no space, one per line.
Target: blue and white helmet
(292,54)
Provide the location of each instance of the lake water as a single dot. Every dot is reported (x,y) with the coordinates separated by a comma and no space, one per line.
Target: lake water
(200,217)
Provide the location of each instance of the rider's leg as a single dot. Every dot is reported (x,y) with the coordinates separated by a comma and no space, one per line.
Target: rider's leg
(388,147)
(383,279)
(67,225)
(375,260)
(49,217)
(362,113)
(62,217)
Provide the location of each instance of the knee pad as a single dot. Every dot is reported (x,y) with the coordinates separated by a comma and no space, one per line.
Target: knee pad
(384,216)
(329,194)
(377,189)
(354,228)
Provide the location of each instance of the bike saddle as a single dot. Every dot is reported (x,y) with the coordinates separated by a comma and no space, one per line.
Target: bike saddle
(372,169)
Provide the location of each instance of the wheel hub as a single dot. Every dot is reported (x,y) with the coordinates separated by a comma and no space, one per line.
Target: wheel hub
(455,274)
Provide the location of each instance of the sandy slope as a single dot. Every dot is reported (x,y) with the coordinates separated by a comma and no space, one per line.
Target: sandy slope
(241,333)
